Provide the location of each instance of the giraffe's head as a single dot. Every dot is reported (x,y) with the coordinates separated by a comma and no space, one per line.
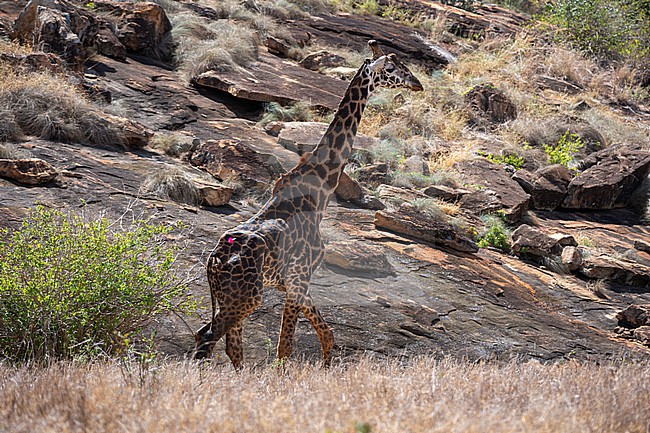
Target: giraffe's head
(389,71)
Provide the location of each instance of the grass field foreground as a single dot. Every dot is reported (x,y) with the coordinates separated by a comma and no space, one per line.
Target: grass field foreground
(423,396)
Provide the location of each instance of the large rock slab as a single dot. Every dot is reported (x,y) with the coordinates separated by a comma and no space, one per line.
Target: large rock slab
(273,79)
(608,183)
(354,32)
(482,173)
(617,270)
(365,260)
(483,20)
(420,226)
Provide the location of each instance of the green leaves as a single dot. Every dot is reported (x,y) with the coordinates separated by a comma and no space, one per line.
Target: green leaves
(70,285)
(563,151)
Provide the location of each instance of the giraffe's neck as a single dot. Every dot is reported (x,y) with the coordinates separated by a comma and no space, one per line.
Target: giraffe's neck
(313,180)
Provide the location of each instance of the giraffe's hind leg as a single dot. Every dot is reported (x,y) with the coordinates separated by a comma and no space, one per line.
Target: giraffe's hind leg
(234,348)
(325,334)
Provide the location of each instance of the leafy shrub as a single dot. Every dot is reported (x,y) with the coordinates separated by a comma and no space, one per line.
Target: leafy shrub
(496,233)
(71,286)
(511,159)
(608,30)
(563,151)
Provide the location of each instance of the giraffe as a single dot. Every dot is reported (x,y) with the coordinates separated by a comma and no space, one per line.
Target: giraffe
(281,245)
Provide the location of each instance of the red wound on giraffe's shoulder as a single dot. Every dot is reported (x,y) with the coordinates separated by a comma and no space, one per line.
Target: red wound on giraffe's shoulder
(230,239)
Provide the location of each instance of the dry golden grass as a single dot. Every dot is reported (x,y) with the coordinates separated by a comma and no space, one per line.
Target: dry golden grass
(421,396)
(48,106)
(173,184)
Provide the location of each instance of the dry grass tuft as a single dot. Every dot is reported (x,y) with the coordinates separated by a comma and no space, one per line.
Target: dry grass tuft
(172,184)
(48,107)
(420,396)
(221,45)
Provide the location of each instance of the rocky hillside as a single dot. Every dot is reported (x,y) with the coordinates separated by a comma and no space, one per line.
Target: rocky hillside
(502,213)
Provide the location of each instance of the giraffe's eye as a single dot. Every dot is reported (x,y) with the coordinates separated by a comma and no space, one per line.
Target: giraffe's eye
(389,68)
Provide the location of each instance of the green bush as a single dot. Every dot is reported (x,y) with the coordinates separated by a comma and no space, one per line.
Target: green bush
(607,30)
(71,287)
(563,151)
(511,159)
(495,234)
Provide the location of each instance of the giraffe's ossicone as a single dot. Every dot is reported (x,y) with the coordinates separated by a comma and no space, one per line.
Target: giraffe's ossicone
(281,245)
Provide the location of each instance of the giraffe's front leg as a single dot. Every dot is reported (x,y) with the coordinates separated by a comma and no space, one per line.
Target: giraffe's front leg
(234,348)
(288,328)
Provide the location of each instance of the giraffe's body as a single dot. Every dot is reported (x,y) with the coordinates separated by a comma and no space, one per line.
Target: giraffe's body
(281,245)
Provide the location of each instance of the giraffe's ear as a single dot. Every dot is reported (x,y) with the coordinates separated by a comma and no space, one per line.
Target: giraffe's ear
(378,64)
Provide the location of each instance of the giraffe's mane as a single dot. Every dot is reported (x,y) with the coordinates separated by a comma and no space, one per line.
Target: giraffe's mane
(284,178)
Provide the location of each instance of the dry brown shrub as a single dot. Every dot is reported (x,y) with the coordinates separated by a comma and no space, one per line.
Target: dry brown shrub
(172,184)
(418,396)
(47,106)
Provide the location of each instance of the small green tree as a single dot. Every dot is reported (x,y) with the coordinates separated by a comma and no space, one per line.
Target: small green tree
(70,286)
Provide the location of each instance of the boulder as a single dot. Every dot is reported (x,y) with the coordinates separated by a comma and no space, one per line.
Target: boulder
(28,171)
(500,193)
(616,269)
(373,175)
(277,47)
(547,186)
(634,316)
(529,241)
(360,260)
(54,34)
(348,189)
(445,193)
(321,59)
(417,225)
(141,27)
(135,134)
(414,164)
(271,79)
(108,44)
(59,27)
(232,159)
(608,183)
(213,194)
(571,258)
(492,103)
